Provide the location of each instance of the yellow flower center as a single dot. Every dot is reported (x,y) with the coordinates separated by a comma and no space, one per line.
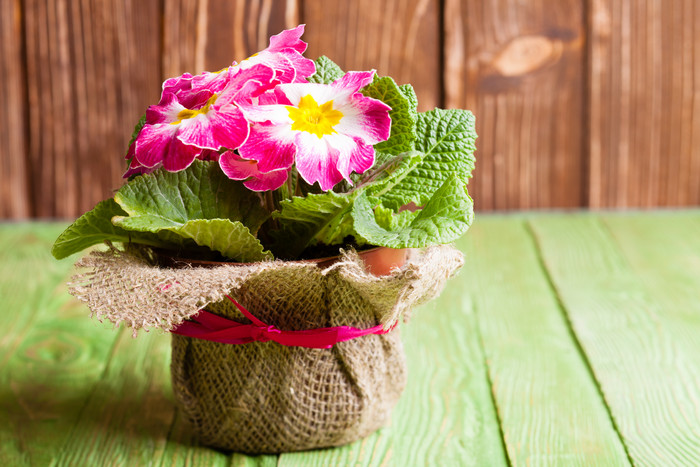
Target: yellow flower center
(314,119)
(189,113)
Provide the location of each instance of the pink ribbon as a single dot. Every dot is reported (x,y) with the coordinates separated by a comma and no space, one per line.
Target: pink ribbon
(214,328)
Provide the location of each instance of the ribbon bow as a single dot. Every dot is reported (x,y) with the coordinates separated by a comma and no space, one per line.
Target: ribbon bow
(215,328)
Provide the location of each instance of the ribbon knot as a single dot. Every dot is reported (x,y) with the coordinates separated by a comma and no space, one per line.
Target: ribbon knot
(211,327)
(263,333)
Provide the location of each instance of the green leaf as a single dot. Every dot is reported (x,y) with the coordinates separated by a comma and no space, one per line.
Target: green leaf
(200,204)
(95,227)
(447,138)
(445,218)
(202,191)
(317,218)
(231,239)
(326,71)
(403,115)
(410,94)
(390,172)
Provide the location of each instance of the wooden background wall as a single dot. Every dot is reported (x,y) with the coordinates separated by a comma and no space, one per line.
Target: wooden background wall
(579,103)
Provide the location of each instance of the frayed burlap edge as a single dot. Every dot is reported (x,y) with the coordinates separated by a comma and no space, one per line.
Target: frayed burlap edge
(124,286)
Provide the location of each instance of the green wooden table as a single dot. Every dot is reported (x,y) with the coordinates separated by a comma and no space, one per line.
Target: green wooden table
(567,339)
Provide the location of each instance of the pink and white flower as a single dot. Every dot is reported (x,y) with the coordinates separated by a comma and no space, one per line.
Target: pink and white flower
(327,130)
(197,115)
(284,55)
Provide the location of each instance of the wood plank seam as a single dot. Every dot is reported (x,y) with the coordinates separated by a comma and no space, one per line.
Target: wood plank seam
(586,99)
(574,337)
(492,393)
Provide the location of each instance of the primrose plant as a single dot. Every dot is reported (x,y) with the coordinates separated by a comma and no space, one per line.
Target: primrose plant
(279,156)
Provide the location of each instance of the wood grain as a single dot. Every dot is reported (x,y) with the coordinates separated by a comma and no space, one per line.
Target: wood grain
(14,190)
(644,113)
(550,410)
(51,355)
(398,38)
(519,67)
(87,87)
(445,415)
(209,35)
(73,392)
(637,324)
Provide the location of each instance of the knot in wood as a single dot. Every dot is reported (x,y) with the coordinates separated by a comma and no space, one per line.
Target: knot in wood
(525,54)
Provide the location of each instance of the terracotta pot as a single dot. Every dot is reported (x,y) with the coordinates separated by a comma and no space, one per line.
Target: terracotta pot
(378,261)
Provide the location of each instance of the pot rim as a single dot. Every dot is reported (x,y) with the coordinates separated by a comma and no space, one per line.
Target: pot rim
(173,260)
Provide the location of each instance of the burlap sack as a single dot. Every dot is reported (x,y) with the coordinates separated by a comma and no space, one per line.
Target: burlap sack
(264,397)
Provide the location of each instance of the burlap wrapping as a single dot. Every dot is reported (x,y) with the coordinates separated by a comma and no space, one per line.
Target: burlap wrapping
(266,397)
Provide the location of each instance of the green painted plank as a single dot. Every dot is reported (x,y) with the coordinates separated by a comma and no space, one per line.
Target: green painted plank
(129,415)
(550,409)
(445,416)
(51,354)
(27,278)
(630,286)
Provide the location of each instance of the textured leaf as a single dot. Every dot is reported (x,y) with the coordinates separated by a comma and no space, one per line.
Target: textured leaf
(390,173)
(410,95)
(403,115)
(447,138)
(445,218)
(95,227)
(202,191)
(200,204)
(317,218)
(232,239)
(326,71)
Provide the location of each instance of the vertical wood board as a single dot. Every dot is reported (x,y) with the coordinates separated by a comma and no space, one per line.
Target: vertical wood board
(644,115)
(398,38)
(92,68)
(519,67)
(15,202)
(209,35)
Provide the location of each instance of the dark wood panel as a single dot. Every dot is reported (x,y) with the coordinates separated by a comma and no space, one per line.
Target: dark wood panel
(209,35)
(93,67)
(397,38)
(519,66)
(644,111)
(575,106)
(14,191)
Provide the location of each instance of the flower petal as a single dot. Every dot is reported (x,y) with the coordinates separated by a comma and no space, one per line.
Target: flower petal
(284,54)
(166,111)
(316,161)
(321,93)
(237,168)
(271,145)
(365,118)
(289,38)
(228,126)
(178,83)
(353,81)
(267,181)
(157,144)
(353,154)
(245,84)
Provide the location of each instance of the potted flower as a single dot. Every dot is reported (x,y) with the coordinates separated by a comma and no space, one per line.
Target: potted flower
(238,182)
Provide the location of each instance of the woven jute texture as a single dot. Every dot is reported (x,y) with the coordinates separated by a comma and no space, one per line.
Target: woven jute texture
(263,397)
